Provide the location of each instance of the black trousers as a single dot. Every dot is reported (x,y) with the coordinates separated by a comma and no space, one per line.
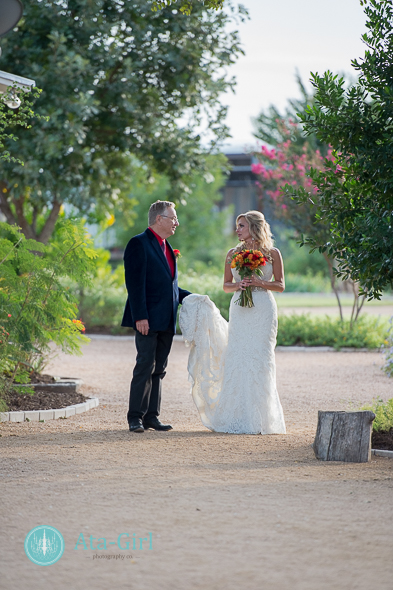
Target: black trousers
(151,361)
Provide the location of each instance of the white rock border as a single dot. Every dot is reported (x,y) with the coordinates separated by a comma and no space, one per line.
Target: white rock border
(382,453)
(44,415)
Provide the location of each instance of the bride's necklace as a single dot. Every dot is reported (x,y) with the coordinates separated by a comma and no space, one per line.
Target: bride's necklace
(250,245)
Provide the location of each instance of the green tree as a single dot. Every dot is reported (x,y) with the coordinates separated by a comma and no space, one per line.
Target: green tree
(355,192)
(290,164)
(186,6)
(116,80)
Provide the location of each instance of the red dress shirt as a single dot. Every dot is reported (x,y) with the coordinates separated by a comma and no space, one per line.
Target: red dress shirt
(166,251)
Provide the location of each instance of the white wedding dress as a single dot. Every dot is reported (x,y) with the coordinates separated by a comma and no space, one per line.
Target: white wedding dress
(232,365)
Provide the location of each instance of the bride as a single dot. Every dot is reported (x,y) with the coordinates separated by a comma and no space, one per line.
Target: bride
(232,365)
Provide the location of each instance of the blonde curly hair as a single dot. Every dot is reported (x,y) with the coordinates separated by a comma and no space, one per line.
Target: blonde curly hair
(260,232)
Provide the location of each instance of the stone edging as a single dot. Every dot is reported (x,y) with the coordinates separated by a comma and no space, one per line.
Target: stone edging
(382,453)
(179,338)
(44,415)
(323,349)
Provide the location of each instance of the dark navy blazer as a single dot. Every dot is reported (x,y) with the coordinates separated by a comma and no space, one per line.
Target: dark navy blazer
(152,292)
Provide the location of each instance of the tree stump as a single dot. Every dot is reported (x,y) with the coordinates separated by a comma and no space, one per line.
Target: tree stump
(344,436)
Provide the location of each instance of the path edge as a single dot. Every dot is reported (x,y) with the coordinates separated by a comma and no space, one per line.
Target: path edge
(44,415)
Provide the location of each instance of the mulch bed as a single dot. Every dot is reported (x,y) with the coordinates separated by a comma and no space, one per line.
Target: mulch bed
(43,400)
(41,378)
(382,440)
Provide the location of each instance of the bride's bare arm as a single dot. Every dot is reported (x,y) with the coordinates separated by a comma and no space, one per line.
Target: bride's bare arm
(229,285)
(278,271)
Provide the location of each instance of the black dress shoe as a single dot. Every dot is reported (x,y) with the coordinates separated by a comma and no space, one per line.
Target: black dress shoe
(136,425)
(155,424)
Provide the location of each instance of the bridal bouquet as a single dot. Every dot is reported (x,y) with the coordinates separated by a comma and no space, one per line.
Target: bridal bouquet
(246,263)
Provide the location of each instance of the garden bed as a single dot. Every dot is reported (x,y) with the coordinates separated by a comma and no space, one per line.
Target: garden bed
(43,400)
(382,440)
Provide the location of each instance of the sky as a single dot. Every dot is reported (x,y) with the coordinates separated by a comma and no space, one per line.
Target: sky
(280,37)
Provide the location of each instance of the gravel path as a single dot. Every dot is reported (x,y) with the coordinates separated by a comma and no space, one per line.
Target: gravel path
(224,511)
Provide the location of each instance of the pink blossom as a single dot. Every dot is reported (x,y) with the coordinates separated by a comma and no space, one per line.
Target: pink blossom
(274,194)
(257,168)
(268,153)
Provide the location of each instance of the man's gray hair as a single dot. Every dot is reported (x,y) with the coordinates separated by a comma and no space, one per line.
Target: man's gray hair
(158,208)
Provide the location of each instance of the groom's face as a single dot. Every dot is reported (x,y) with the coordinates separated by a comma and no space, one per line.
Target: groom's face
(168,222)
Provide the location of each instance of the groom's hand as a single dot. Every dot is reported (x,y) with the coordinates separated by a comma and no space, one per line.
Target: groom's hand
(143,327)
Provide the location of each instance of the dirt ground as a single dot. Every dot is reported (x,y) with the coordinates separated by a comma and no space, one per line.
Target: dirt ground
(224,511)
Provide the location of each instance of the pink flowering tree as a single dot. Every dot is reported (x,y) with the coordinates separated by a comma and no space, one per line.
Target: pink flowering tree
(288,166)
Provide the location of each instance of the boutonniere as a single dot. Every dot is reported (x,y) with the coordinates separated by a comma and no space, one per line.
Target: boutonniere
(177,253)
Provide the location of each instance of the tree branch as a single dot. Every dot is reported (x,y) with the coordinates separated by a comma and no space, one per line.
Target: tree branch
(21,219)
(333,283)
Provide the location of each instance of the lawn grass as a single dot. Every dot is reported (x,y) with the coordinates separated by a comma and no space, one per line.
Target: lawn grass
(324,300)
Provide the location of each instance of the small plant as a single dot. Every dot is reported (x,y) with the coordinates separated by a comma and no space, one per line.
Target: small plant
(383,415)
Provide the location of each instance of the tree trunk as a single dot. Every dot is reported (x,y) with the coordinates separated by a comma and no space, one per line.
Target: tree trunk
(50,223)
(357,302)
(4,205)
(333,283)
(344,436)
(29,230)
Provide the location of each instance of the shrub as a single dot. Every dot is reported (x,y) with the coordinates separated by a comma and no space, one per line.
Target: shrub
(383,415)
(101,302)
(304,330)
(36,309)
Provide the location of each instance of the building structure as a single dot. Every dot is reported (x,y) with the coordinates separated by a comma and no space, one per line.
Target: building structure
(240,191)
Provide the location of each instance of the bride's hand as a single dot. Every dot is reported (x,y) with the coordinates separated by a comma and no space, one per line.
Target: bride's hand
(256,282)
(244,284)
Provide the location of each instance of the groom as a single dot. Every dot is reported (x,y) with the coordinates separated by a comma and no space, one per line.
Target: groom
(153,299)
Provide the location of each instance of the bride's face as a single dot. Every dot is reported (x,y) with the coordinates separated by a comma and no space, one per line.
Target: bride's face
(243,230)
